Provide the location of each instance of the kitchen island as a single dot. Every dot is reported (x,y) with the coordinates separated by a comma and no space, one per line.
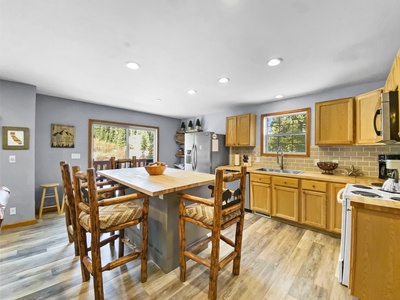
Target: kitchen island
(164,208)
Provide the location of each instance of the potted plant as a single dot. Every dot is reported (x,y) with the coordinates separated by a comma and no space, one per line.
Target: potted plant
(190,125)
(183,127)
(198,125)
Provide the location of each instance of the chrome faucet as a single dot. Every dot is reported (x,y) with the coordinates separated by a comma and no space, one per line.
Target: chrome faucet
(280,163)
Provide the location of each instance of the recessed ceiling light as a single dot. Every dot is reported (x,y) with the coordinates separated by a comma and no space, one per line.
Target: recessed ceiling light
(132,65)
(158,99)
(223,80)
(279,96)
(192,92)
(274,61)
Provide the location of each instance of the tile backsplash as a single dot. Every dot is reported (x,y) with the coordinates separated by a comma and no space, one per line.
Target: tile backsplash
(363,158)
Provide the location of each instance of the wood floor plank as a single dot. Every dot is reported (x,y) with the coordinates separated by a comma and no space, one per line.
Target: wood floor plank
(279,261)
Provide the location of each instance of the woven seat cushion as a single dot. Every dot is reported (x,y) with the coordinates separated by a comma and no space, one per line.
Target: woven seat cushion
(113,215)
(205,213)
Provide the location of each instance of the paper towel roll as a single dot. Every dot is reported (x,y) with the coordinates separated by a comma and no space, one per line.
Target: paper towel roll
(237,160)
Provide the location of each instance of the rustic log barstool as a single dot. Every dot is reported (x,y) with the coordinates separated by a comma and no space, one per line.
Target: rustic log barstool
(225,210)
(44,195)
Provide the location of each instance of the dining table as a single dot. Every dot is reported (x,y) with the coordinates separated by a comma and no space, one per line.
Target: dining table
(163,190)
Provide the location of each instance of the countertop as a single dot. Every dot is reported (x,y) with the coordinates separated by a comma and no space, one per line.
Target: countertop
(311,175)
(375,203)
(172,180)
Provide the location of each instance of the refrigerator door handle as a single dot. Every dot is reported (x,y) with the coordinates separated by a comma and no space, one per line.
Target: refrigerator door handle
(193,157)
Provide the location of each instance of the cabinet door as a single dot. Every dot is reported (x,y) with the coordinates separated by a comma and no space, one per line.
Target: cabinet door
(392,79)
(285,203)
(230,139)
(334,122)
(245,130)
(374,255)
(260,195)
(335,209)
(366,106)
(313,209)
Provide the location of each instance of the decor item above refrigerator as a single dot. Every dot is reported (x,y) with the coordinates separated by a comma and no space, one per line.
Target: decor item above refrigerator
(205,151)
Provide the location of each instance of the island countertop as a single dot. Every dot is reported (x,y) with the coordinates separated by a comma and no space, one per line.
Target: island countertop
(172,180)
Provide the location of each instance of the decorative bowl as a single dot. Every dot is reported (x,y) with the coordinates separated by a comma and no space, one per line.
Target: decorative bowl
(156,168)
(327,166)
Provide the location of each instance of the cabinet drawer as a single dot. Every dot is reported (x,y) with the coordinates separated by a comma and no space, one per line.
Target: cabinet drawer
(260,178)
(284,181)
(314,186)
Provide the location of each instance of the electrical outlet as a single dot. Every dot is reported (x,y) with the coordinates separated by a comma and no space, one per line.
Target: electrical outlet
(13,210)
(316,161)
(335,161)
(12,159)
(257,159)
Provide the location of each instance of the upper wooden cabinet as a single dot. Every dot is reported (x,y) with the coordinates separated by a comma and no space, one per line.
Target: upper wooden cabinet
(241,130)
(393,79)
(366,106)
(334,122)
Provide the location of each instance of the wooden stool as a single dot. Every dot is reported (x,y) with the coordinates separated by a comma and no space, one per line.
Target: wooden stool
(45,186)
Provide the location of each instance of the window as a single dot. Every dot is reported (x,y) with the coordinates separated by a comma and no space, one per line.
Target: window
(108,139)
(289,129)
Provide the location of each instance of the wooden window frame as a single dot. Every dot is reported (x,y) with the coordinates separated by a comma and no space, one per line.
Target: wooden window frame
(112,123)
(288,154)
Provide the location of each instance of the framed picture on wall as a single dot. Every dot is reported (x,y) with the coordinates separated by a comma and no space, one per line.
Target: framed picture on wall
(62,136)
(15,138)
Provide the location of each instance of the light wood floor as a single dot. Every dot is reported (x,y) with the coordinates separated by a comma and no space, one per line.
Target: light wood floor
(279,261)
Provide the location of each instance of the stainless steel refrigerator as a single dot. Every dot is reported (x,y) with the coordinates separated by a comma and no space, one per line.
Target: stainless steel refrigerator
(204,151)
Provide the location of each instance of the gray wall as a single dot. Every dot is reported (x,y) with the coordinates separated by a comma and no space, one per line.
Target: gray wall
(17,108)
(216,122)
(21,106)
(51,110)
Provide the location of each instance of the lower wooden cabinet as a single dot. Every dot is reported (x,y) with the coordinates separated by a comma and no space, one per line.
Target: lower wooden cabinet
(285,198)
(309,202)
(375,251)
(313,203)
(260,193)
(335,208)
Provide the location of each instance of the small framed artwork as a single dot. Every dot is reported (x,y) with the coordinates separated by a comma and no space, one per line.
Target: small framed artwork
(15,138)
(62,136)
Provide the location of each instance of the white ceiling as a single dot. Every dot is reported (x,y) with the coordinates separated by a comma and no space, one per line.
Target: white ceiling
(78,49)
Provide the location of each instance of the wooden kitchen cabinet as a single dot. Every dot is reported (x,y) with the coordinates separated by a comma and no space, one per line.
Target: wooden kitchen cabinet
(366,106)
(241,130)
(335,208)
(334,122)
(260,193)
(393,79)
(285,198)
(313,203)
(375,251)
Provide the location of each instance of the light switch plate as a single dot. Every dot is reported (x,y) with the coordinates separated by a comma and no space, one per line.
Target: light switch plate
(12,159)
(75,155)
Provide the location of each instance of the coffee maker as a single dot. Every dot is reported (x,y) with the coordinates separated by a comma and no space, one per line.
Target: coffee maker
(392,183)
(384,171)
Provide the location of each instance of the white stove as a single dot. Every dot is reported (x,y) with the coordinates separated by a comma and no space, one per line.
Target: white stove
(369,191)
(343,197)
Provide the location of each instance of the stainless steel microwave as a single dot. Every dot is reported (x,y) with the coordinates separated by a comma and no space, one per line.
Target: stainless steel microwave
(390,123)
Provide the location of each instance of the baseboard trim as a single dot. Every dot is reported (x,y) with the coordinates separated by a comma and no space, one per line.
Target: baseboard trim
(19,224)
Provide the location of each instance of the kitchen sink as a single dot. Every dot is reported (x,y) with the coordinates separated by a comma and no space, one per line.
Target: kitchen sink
(279,171)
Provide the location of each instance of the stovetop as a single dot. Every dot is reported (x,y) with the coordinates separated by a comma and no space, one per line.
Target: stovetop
(370,191)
